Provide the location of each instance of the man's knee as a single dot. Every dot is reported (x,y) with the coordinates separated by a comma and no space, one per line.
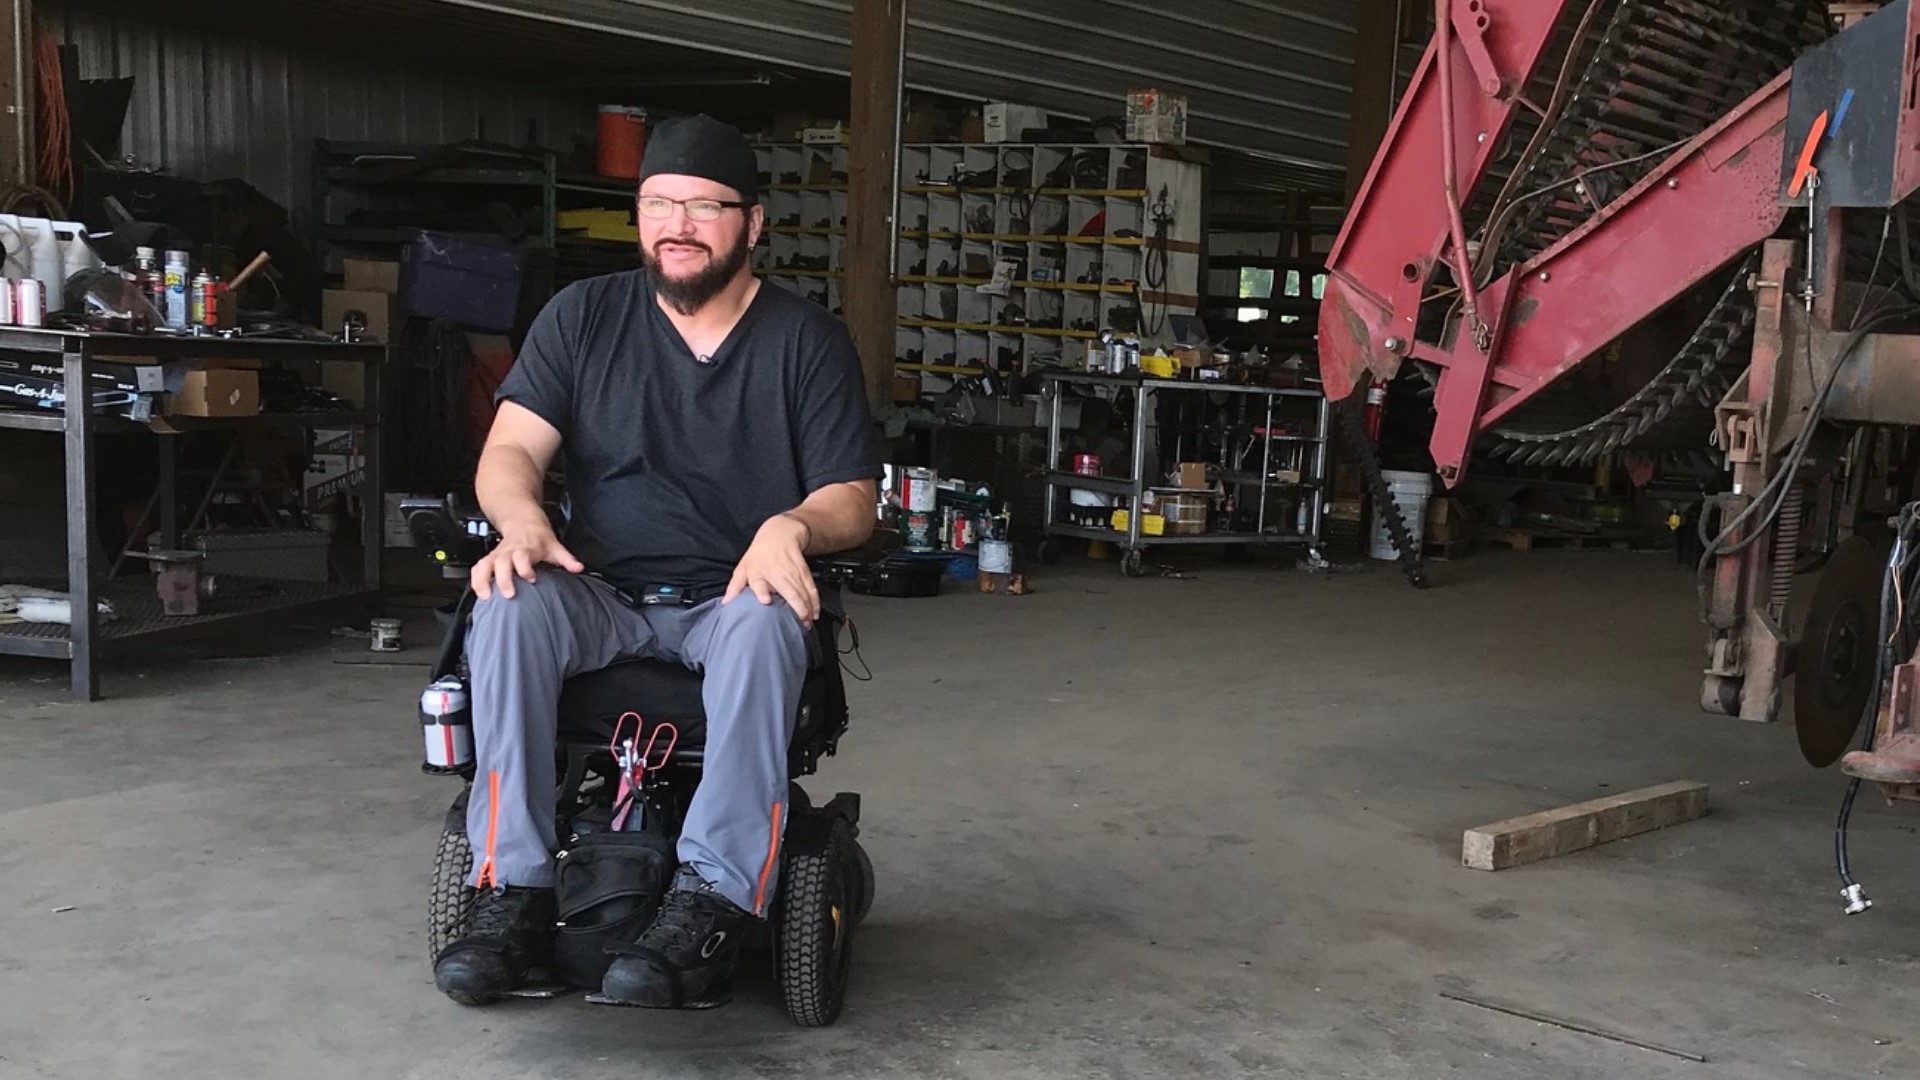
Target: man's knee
(534,604)
(745,620)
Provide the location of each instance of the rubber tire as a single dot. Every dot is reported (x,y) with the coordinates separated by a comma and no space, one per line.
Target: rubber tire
(451,898)
(1133,564)
(813,949)
(861,867)
(1048,552)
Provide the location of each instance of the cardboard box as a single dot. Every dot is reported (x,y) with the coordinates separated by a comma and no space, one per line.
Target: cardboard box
(217,392)
(1185,513)
(332,475)
(1344,510)
(972,130)
(1003,121)
(787,126)
(1156,116)
(825,135)
(1192,474)
(377,314)
(342,379)
(906,389)
(1448,520)
(372,275)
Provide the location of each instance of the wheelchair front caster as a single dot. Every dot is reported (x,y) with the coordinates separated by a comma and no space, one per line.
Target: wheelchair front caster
(820,902)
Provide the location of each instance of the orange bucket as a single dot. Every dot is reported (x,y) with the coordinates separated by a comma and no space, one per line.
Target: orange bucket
(623,138)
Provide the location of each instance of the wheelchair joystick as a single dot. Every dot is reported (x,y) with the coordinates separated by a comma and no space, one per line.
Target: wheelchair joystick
(447,721)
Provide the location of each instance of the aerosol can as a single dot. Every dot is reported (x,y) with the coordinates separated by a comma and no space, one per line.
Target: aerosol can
(447,721)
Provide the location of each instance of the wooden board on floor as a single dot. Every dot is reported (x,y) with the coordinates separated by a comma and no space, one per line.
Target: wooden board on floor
(1583,825)
(1528,539)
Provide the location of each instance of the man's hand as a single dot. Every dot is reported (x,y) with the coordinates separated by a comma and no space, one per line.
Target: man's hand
(518,552)
(776,563)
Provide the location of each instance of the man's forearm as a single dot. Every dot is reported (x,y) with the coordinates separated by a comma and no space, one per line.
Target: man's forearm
(509,485)
(837,517)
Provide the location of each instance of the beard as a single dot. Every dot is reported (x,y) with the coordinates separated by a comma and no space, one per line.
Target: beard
(689,294)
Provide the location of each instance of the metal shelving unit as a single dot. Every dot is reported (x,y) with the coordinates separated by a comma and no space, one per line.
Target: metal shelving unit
(1134,486)
(406,173)
(79,355)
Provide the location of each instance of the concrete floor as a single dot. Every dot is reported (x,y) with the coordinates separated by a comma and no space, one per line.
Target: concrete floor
(1155,828)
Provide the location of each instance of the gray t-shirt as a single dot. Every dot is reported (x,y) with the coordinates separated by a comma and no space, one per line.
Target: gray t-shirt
(672,461)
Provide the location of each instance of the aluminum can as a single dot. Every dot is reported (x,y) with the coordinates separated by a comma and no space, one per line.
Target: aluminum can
(29,302)
(446,718)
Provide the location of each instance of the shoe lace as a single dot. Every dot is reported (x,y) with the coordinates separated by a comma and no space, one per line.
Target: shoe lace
(495,912)
(677,926)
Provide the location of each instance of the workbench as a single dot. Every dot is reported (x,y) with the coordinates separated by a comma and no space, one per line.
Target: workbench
(1268,402)
(137,608)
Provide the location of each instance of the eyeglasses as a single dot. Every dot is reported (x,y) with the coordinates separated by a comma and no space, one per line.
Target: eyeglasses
(657,206)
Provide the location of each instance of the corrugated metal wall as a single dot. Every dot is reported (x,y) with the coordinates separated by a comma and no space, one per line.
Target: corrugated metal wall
(1269,76)
(211,106)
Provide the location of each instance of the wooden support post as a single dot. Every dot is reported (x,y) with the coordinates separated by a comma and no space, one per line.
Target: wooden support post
(867,290)
(18,120)
(1581,826)
(1376,43)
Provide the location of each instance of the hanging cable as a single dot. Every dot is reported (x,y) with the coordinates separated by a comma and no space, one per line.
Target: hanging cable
(1154,268)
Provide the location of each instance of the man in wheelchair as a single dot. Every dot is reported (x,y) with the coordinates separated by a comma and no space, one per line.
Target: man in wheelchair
(714,435)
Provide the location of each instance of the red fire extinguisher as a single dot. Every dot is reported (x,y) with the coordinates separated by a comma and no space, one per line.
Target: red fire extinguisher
(1376,408)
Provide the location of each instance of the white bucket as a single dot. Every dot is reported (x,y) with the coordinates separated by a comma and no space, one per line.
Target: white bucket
(1410,492)
(996,557)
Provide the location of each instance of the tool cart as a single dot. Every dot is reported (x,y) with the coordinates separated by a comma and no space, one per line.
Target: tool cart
(1264,448)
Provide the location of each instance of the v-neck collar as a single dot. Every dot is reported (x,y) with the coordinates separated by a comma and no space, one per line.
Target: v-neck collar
(720,352)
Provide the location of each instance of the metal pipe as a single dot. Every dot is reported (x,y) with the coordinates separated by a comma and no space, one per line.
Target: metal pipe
(21,44)
(899,124)
(1457,227)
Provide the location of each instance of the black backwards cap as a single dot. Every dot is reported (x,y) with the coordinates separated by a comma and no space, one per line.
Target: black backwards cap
(704,147)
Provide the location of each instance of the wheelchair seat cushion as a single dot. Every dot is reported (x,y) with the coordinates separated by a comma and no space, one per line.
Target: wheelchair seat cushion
(659,690)
(592,702)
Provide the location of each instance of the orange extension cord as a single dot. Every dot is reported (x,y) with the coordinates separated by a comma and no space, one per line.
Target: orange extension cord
(56,128)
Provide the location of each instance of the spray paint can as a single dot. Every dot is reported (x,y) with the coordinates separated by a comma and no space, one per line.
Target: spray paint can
(7,317)
(447,721)
(29,302)
(197,291)
(176,289)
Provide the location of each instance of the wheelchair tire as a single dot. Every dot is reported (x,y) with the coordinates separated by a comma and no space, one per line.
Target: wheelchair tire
(861,867)
(452,898)
(818,907)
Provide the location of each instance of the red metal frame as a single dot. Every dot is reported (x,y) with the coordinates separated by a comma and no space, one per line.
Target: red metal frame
(1714,199)
(1386,251)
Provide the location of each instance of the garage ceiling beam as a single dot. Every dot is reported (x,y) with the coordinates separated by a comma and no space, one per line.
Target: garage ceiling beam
(867,291)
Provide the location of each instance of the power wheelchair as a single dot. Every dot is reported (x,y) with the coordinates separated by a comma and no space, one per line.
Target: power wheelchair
(826,878)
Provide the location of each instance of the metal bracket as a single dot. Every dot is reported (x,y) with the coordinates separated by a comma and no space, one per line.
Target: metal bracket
(1471,22)
(1738,430)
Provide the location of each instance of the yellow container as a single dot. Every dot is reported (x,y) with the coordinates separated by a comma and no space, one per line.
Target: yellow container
(1160,367)
(1150,524)
(586,219)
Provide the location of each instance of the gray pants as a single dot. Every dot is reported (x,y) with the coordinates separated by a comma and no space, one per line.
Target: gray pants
(754,657)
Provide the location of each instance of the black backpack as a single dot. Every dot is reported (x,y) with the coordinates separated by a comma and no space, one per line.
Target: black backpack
(608,886)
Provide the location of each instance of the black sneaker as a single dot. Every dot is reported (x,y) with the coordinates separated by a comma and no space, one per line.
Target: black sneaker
(510,932)
(685,960)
